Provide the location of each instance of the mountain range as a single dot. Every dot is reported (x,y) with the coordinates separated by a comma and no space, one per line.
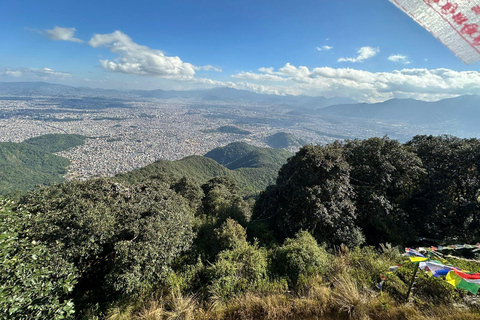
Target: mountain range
(217,94)
(462,113)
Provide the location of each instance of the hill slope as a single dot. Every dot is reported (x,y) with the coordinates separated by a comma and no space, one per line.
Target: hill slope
(56,142)
(229,153)
(24,166)
(284,140)
(252,168)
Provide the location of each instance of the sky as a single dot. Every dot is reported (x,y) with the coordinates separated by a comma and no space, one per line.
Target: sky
(368,50)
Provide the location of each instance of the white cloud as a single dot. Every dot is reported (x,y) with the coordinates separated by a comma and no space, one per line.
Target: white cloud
(368,86)
(399,58)
(256,76)
(13,73)
(209,68)
(324,48)
(45,73)
(62,34)
(141,60)
(364,53)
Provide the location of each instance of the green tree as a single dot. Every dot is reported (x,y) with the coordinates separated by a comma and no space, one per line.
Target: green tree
(222,200)
(384,175)
(313,193)
(121,238)
(448,203)
(34,283)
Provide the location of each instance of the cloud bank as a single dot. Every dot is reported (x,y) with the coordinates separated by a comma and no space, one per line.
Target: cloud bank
(45,73)
(364,85)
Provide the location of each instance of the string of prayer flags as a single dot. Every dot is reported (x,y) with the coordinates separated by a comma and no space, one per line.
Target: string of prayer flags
(414,255)
(458,278)
(436,268)
(458,282)
(454,23)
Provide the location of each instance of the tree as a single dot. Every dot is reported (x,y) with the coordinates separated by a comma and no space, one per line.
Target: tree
(222,200)
(121,238)
(34,283)
(384,175)
(448,203)
(313,193)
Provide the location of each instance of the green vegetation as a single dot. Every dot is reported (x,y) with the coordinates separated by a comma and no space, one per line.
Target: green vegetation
(32,162)
(178,240)
(56,142)
(23,166)
(251,168)
(34,282)
(229,153)
(229,129)
(284,140)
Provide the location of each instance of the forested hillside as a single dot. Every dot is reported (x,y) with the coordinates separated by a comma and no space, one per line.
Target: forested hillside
(22,167)
(56,142)
(32,162)
(178,240)
(251,168)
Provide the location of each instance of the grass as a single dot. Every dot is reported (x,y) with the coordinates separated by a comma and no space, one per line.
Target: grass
(346,293)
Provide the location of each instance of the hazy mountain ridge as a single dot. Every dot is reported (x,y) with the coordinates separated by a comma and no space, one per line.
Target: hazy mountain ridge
(463,110)
(216,94)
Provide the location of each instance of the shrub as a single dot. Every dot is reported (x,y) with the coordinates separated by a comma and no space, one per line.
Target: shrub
(242,268)
(34,283)
(299,257)
(121,238)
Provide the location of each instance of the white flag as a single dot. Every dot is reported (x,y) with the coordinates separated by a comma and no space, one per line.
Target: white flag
(456,23)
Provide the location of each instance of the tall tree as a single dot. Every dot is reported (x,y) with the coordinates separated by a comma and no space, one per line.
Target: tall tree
(448,204)
(384,175)
(121,238)
(313,193)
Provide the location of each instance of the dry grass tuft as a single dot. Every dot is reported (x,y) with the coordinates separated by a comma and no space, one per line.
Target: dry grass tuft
(153,310)
(181,307)
(348,299)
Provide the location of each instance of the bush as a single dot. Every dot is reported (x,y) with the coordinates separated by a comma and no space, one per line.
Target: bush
(34,283)
(121,238)
(300,257)
(236,270)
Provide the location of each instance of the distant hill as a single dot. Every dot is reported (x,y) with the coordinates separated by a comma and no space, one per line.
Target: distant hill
(284,140)
(23,166)
(247,96)
(56,142)
(261,158)
(252,168)
(233,129)
(229,153)
(22,89)
(461,112)
(228,129)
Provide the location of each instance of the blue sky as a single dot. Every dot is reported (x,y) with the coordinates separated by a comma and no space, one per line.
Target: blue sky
(365,49)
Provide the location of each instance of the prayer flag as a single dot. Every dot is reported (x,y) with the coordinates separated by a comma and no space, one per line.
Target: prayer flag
(454,23)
